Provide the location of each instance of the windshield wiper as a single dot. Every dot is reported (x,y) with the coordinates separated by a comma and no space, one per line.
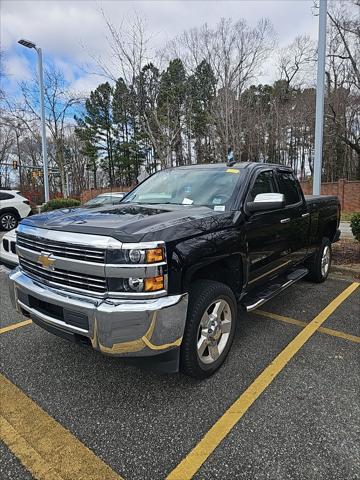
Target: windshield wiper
(155,203)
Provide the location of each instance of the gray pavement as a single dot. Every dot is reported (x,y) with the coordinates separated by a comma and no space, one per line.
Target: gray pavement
(346,230)
(142,424)
(10,467)
(306,424)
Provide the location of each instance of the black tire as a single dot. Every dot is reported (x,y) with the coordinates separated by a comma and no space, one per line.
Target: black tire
(8,221)
(203,293)
(316,272)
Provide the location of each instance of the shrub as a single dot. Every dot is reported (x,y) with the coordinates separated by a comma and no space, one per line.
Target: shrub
(355,225)
(57,203)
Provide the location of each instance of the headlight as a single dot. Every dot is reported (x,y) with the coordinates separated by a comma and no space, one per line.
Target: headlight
(133,284)
(136,255)
(136,284)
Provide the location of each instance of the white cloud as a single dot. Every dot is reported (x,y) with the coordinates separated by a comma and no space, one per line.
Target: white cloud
(17,68)
(67,68)
(68,30)
(83,85)
(62,26)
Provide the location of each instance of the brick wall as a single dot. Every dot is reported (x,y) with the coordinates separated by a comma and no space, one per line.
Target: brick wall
(36,197)
(89,194)
(347,192)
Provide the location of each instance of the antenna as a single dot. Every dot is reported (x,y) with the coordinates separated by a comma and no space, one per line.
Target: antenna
(231,163)
(230,157)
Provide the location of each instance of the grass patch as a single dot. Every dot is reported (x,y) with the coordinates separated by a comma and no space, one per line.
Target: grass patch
(345,217)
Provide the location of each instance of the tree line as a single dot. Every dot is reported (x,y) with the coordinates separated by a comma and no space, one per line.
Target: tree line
(195,101)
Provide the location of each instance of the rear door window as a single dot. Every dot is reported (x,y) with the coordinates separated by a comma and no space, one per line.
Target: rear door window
(289,186)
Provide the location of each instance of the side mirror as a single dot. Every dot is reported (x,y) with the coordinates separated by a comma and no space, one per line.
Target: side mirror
(266,201)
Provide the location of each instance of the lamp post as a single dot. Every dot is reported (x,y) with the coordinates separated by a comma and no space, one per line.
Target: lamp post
(319,115)
(29,44)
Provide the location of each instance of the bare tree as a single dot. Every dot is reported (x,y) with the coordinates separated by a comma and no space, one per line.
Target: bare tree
(7,142)
(345,20)
(294,61)
(235,52)
(343,91)
(59,105)
(129,46)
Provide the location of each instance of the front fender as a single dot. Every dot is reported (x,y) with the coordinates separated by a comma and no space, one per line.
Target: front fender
(218,256)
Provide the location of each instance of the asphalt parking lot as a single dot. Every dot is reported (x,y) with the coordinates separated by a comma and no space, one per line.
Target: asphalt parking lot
(71,413)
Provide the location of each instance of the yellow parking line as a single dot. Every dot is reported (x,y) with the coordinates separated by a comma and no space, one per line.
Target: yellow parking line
(193,461)
(43,446)
(13,326)
(327,331)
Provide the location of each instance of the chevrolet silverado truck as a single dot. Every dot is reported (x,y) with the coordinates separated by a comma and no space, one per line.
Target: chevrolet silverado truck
(164,275)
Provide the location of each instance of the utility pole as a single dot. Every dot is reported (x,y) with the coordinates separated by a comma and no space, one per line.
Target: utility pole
(29,44)
(319,115)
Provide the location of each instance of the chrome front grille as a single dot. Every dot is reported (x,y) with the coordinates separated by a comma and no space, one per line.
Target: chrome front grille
(60,249)
(78,262)
(64,278)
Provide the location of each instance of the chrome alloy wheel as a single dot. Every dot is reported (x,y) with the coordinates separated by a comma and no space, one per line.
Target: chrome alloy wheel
(8,221)
(325,261)
(214,331)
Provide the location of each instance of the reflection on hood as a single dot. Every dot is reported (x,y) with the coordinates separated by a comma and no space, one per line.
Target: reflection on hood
(129,222)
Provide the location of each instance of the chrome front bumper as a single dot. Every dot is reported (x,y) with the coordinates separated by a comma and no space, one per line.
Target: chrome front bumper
(115,327)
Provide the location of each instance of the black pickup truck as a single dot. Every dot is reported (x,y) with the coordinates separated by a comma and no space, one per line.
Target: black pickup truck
(165,274)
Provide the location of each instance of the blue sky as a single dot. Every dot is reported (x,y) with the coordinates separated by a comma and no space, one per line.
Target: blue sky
(68,30)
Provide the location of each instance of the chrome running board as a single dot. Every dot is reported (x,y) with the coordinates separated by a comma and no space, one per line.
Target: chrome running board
(259,296)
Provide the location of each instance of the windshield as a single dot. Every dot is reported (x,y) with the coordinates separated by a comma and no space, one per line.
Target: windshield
(211,187)
(102,200)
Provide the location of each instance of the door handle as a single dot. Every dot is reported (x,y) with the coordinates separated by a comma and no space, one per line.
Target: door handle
(285,220)
(304,215)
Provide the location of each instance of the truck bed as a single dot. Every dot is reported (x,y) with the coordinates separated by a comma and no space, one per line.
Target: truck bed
(324,211)
(321,200)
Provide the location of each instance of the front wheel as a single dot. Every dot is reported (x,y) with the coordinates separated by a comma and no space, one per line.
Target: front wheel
(319,265)
(210,328)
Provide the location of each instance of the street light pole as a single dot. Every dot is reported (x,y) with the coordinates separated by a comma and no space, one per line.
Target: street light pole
(319,115)
(43,125)
(29,44)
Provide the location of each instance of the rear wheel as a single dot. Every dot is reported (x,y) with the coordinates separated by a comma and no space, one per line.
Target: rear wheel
(8,221)
(209,330)
(319,265)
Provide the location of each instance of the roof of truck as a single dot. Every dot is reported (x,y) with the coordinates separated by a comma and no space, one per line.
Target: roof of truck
(240,165)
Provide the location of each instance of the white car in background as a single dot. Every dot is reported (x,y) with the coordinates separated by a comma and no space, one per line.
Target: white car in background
(13,207)
(112,198)
(8,254)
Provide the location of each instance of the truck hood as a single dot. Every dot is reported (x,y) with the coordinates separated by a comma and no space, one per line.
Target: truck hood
(134,222)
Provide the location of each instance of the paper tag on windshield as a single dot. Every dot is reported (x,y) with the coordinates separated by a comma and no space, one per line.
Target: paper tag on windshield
(219,208)
(187,201)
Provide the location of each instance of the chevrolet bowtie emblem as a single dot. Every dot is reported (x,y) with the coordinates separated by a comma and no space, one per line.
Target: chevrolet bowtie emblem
(46,260)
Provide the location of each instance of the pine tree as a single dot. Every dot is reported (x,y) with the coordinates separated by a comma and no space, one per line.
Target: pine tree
(129,150)
(95,128)
(171,105)
(201,94)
